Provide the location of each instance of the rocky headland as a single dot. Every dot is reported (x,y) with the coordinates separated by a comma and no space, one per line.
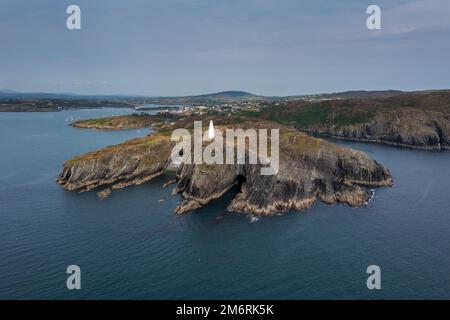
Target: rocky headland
(310,169)
(415,120)
(130,163)
(401,127)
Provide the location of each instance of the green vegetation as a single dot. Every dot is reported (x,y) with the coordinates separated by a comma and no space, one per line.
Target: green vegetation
(313,114)
(319,116)
(131,145)
(132,121)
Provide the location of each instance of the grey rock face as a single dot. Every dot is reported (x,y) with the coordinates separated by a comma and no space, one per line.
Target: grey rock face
(131,163)
(310,169)
(401,127)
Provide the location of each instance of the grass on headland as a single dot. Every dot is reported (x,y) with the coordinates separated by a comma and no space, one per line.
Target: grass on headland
(118,122)
(314,114)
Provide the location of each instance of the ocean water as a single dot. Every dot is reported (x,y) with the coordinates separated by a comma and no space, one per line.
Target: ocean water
(132,245)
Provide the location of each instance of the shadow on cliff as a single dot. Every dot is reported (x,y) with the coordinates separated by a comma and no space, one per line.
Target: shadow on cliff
(219,206)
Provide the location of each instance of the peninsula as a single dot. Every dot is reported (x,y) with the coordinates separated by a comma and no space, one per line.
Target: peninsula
(133,121)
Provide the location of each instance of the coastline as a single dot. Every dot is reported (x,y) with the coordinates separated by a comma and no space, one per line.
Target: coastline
(375,141)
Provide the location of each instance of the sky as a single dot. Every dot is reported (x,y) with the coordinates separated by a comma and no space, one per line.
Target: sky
(185,47)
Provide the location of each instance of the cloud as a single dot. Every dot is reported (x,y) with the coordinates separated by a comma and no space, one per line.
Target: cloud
(417,15)
(183,47)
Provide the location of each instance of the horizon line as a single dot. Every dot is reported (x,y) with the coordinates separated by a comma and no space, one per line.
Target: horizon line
(12,92)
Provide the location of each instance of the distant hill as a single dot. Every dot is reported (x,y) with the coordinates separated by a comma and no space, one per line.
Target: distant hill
(362,94)
(211,98)
(7,91)
(230,94)
(223,97)
(11,94)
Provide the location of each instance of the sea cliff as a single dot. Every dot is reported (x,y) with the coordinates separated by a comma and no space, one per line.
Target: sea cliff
(310,169)
(415,120)
(130,163)
(400,127)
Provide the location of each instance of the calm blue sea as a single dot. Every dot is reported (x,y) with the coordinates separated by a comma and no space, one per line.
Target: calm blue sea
(132,245)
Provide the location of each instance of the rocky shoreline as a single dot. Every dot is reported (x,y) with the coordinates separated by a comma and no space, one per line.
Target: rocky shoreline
(418,120)
(310,169)
(402,128)
(131,163)
(319,134)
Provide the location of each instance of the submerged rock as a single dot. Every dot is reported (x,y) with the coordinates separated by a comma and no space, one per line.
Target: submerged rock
(186,206)
(169,182)
(102,195)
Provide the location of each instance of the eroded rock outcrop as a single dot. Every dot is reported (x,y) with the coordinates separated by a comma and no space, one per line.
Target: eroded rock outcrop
(131,163)
(310,169)
(403,127)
